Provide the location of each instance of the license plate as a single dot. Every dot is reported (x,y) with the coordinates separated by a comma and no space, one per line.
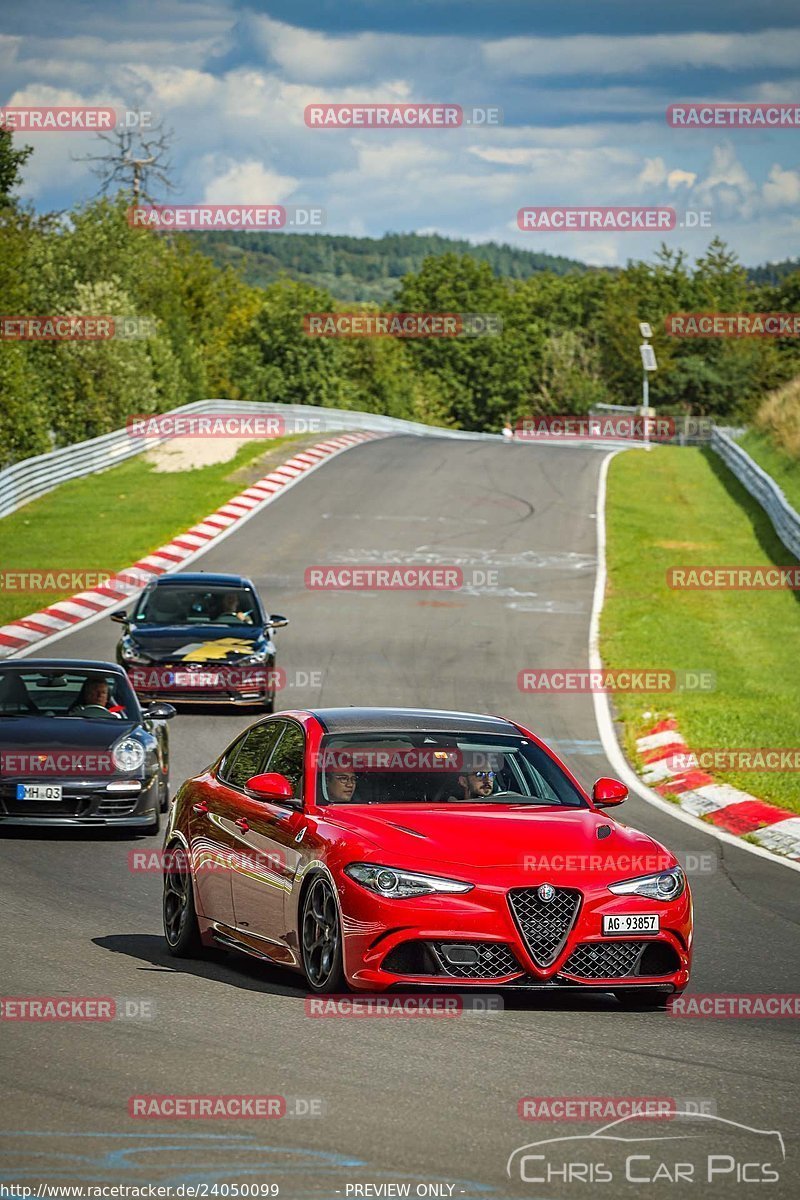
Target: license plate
(631,923)
(39,791)
(190,679)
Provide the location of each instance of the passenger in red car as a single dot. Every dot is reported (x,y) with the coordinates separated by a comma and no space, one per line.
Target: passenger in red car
(341,786)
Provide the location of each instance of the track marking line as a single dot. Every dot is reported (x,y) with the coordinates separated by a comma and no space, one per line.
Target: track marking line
(605,721)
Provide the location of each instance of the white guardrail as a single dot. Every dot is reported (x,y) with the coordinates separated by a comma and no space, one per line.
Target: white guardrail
(24,481)
(762,487)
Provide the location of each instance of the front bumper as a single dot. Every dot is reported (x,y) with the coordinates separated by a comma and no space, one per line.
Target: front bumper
(239,695)
(84,802)
(475,941)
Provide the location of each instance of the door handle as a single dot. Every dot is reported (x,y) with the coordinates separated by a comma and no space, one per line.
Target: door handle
(201,808)
(242,824)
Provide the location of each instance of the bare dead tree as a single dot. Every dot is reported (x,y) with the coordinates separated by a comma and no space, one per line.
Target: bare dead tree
(136,159)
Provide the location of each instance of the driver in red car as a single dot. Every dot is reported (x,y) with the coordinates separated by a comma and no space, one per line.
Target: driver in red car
(475,785)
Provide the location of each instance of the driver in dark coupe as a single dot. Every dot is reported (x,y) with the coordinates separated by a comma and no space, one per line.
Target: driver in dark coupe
(233,605)
(95,691)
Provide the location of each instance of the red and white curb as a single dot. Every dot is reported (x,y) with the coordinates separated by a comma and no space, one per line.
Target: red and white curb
(672,770)
(85,606)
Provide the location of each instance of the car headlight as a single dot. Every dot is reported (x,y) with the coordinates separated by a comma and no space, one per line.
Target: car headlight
(128,754)
(258,656)
(131,653)
(666,885)
(398,884)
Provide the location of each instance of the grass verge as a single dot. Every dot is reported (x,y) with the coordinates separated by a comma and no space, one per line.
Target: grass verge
(106,522)
(782,466)
(681,506)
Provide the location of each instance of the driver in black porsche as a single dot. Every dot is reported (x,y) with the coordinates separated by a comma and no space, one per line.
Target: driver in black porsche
(95,692)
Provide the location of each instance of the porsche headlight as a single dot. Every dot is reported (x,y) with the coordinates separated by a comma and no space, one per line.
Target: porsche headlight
(666,885)
(398,884)
(131,653)
(128,754)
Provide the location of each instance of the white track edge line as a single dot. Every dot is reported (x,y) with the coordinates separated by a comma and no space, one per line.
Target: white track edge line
(201,550)
(602,708)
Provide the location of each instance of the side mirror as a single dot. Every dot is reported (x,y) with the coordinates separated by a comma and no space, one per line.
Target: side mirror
(608,792)
(120,616)
(271,786)
(159,711)
(276,621)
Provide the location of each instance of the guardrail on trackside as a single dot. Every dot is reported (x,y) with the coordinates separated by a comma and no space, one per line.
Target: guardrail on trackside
(762,487)
(24,481)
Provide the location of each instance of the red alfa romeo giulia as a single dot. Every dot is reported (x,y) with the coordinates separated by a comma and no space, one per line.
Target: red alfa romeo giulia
(391,848)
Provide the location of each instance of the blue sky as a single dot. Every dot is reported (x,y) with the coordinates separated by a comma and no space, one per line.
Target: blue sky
(583,87)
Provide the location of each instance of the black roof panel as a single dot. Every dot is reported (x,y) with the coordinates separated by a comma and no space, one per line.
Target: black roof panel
(195,578)
(409,720)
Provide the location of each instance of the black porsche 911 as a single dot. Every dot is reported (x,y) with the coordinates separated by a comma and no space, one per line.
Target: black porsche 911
(196,637)
(78,749)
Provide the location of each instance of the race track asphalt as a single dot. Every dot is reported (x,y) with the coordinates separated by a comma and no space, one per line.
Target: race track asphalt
(403,1101)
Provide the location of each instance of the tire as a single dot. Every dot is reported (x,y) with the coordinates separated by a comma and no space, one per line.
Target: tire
(321,938)
(164,806)
(642,998)
(181,931)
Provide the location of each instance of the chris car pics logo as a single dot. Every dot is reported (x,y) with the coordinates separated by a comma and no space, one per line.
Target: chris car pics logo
(694,1147)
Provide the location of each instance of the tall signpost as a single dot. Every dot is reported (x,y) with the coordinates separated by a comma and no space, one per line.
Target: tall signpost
(648,364)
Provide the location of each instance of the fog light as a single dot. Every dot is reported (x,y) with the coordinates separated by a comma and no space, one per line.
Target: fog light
(460,956)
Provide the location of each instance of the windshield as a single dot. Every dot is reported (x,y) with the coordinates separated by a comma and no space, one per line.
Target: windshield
(177,604)
(84,695)
(440,768)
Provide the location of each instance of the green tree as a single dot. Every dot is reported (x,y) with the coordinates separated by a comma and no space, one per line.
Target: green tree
(11,163)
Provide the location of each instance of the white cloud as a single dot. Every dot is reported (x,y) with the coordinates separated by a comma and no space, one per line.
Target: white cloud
(782,188)
(727,188)
(655,174)
(248,183)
